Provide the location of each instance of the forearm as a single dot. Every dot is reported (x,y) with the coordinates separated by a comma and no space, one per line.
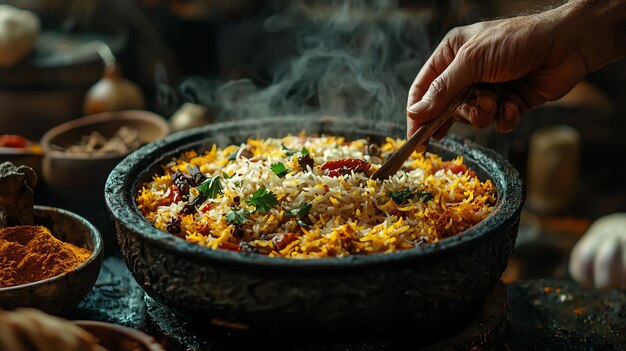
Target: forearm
(599,27)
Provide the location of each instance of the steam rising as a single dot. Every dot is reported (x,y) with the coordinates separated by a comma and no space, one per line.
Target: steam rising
(355,59)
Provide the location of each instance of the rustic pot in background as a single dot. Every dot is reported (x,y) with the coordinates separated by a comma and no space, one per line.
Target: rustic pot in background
(431,291)
(75,181)
(48,88)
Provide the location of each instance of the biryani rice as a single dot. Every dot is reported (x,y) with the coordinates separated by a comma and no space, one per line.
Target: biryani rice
(349,214)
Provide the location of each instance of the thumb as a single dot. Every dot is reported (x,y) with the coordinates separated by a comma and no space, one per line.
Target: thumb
(442,91)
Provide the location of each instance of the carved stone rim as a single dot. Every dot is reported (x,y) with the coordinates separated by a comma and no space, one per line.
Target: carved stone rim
(121,185)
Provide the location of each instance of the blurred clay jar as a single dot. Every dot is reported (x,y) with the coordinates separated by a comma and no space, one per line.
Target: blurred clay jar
(553,168)
(113,93)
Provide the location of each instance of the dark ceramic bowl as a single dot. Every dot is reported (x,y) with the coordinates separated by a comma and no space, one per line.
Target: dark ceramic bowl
(119,338)
(431,291)
(63,292)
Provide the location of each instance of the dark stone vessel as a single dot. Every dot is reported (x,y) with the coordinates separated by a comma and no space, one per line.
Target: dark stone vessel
(431,291)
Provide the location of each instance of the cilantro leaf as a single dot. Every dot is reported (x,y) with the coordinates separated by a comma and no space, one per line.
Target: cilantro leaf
(279,169)
(237,216)
(400,197)
(262,200)
(226,176)
(211,187)
(424,195)
(290,152)
(303,210)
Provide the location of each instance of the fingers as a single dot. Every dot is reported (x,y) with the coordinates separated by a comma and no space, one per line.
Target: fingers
(439,60)
(608,265)
(442,91)
(508,118)
(426,75)
(582,261)
(443,130)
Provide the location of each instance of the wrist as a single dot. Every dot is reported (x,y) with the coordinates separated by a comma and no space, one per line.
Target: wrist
(596,29)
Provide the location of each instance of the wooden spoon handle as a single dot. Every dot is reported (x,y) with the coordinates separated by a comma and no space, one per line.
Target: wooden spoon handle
(396,160)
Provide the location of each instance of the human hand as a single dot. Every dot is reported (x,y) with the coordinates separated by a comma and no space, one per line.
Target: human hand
(520,63)
(599,257)
(32,330)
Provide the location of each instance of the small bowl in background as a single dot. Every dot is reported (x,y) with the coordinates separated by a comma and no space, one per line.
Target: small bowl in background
(21,151)
(76,181)
(63,292)
(119,338)
(27,156)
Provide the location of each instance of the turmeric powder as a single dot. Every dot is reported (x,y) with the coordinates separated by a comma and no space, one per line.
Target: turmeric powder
(32,253)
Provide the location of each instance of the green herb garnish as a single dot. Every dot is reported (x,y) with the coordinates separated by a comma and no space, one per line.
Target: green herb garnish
(400,197)
(262,200)
(279,169)
(302,211)
(290,152)
(210,188)
(302,214)
(226,176)
(424,195)
(237,216)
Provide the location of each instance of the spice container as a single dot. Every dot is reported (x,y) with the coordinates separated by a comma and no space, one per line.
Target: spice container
(20,151)
(62,292)
(77,160)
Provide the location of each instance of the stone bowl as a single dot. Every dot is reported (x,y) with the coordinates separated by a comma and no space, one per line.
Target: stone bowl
(430,292)
(75,181)
(61,293)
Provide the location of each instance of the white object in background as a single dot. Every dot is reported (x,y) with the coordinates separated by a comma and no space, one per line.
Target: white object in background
(19,30)
(599,257)
(189,116)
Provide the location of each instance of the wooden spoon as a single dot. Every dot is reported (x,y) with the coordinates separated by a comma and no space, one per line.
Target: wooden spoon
(396,160)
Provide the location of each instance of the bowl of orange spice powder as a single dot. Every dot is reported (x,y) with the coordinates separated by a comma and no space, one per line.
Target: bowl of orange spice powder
(51,265)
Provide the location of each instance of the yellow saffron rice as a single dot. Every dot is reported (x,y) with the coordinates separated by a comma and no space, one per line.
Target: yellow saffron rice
(314,214)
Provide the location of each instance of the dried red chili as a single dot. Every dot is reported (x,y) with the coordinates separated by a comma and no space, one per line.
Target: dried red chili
(172,195)
(456,169)
(206,208)
(282,240)
(226,245)
(10,140)
(345,166)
